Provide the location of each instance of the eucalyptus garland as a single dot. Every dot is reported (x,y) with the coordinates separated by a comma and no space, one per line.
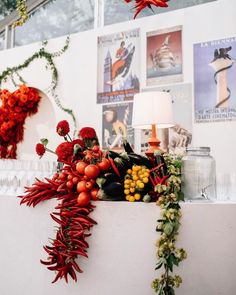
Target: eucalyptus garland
(42,53)
(168,255)
(22,10)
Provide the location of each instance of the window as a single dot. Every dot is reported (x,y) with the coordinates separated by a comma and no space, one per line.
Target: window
(116,11)
(2,40)
(56,18)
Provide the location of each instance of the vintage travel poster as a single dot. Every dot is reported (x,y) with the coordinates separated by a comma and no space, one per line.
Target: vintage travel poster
(118,66)
(164,63)
(117,119)
(215,80)
(177,138)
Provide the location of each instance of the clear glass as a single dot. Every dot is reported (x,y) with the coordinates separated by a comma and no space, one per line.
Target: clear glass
(118,11)
(199,174)
(56,18)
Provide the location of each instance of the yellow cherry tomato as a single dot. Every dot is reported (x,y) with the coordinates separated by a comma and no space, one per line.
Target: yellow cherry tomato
(141,185)
(126,186)
(126,191)
(129,171)
(135,177)
(145,180)
(127,197)
(132,189)
(132,199)
(137,197)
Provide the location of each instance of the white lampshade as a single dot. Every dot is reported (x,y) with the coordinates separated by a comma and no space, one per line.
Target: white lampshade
(152,108)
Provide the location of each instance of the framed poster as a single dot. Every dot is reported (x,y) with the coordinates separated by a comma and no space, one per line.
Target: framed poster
(215,81)
(164,63)
(117,119)
(177,138)
(118,66)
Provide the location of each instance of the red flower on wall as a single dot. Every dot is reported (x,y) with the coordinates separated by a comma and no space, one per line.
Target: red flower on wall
(142,4)
(15,108)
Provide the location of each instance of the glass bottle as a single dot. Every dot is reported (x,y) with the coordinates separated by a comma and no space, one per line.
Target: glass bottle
(198,174)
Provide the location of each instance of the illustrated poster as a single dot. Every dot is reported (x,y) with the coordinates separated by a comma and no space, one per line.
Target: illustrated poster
(215,80)
(118,66)
(177,138)
(164,56)
(117,119)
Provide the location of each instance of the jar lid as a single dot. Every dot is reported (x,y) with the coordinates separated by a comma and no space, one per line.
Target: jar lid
(198,149)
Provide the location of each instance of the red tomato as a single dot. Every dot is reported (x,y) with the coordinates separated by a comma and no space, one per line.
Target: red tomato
(94,193)
(83,199)
(69,184)
(62,176)
(70,176)
(80,166)
(81,187)
(104,165)
(75,180)
(96,148)
(92,171)
(89,185)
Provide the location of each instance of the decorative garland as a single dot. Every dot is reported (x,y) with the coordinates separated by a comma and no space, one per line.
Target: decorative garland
(143,4)
(15,108)
(169,197)
(22,10)
(49,57)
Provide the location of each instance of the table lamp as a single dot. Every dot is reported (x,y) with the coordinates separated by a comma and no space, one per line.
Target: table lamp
(151,110)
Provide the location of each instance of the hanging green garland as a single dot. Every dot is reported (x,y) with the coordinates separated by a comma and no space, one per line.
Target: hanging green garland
(168,225)
(22,10)
(49,57)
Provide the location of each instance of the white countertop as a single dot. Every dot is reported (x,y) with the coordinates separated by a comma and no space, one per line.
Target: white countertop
(122,250)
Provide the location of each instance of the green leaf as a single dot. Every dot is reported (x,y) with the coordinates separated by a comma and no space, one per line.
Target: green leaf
(180,196)
(44,141)
(159,265)
(168,228)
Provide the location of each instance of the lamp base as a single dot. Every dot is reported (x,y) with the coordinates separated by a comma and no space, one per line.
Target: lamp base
(154,143)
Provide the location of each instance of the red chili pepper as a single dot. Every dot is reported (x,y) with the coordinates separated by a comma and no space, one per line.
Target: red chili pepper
(113,165)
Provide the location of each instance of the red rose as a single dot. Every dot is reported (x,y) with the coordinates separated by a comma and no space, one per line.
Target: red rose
(87,133)
(63,128)
(65,151)
(40,149)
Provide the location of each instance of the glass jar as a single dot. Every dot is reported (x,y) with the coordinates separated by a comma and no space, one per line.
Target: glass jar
(198,174)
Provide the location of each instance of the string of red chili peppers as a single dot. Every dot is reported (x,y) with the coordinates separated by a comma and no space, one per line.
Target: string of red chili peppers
(73,221)
(142,4)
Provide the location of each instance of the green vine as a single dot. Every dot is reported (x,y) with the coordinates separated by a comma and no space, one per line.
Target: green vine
(168,255)
(22,10)
(49,57)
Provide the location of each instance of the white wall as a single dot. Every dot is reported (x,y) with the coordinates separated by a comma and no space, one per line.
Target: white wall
(78,69)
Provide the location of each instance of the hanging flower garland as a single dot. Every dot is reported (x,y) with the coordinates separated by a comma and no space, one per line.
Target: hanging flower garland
(22,10)
(15,108)
(143,4)
(42,53)
(170,196)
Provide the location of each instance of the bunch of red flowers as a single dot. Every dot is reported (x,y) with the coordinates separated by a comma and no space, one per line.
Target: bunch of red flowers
(142,4)
(15,108)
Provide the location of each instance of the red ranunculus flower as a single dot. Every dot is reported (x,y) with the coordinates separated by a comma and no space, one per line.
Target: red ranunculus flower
(40,149)
(63,128)
(65,151)
(80,142)
(87,133)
